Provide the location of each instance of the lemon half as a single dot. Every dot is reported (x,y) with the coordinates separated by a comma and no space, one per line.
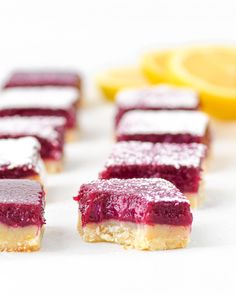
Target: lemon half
(211,70)
(114,80)
(155,66)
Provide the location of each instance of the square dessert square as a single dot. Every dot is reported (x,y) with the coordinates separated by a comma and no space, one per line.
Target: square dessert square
(43,78)
(181,164)
(20,158)
(42,101)
(22,203)
(146,214)
(162,97)
(164,126)
(49,131)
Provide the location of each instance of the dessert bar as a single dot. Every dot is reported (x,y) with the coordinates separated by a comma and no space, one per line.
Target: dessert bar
(20,158)
(164,126)
(146,214)
(181,164)
(49,131)
(46,101)
(22,204)
(160,97)
(43,79)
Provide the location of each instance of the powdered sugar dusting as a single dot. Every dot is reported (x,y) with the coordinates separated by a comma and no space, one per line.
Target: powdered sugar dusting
(163,122)
(20,152)
(42,78)
(149,189)
(21,191)
(38,97)
(146,153)
(162,96)
(44,127)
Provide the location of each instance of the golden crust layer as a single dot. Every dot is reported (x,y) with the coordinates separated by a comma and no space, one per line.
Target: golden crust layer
(71,135)
(196,199)
(53,166)
(20,239)
(36,178)
(138,236)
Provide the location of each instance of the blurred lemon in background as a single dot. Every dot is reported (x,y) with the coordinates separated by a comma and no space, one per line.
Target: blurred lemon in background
(211,70)
(155,66)
(113,80)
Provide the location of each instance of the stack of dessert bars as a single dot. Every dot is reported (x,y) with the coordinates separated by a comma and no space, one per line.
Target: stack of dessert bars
(153,174)
(38,115)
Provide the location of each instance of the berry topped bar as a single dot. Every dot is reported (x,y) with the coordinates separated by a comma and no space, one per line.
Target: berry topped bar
(164,126)
(44,78)
(49,131)
(22,205)
(46,101)
(20,158)
(161,97)
(146,214)
(181,164)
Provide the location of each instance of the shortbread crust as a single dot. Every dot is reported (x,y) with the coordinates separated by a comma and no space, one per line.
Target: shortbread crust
(141,213)
(138,236)
(20,239)
(53,166)
(196,199)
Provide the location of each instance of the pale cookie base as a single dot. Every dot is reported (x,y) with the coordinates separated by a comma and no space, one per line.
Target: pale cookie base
(39,179)
(71,135)
(80,100)
(206,163)
(53,166)
(36,178)
(20,239)
(196,199)
(138,236)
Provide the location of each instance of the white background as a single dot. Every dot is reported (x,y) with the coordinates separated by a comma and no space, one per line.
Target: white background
(91,35)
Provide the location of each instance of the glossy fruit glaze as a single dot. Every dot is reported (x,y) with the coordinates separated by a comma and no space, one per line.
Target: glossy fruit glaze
(148,201)
(168,138)
(68,114)
(18,172)
(19,158)
(181,164)
(121,111)
(49,131)
(186,179)
(50,149)
(43,78)
(163,126)
(22,203)
(161,97)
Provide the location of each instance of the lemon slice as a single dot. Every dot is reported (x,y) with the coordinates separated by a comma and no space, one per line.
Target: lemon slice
(114,80)
(211,70)
(155,66)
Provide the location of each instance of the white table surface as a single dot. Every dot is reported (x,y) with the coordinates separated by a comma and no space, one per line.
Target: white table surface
(91,35)
(67,264)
